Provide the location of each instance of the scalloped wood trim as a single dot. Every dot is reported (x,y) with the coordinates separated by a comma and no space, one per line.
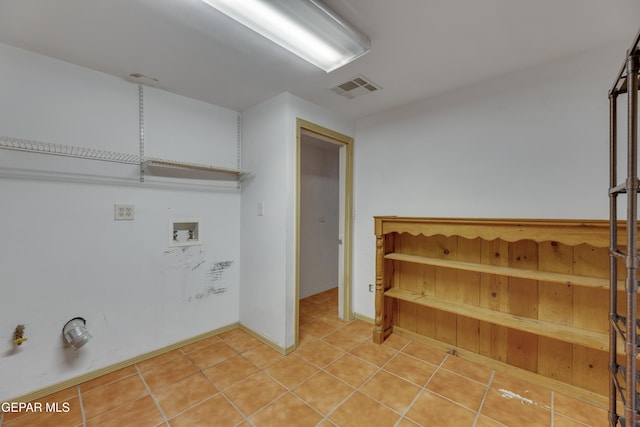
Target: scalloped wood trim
(570,232)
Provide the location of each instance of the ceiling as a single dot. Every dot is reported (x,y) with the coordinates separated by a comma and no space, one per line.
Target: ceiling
(419,47)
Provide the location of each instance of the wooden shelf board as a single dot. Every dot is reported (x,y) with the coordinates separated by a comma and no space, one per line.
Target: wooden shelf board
(590,339)
(569,279)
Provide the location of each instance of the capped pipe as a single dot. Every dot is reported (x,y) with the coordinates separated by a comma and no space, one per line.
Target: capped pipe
(75,332)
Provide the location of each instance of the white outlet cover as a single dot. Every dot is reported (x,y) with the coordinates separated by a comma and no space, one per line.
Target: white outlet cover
(124,212)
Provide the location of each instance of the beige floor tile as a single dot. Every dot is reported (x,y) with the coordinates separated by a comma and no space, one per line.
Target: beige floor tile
(159,360)
(291,371)
(254,393)
(229,333)
(60,396)
(562,421)
(578,410)
(242,342)
(230,372)
(469,369)
(487,422)
(352,370)
(515,386)
(323,392)
(373,353)
(142,413)
(333,320)
(305,318)
(184,394)
(318,328)
(108,378)
(216,411)
(391,390)
(326,423)
(432,410)
(160,376)
(396,342)
(317,310)
(286,411)
(200,344)
(318,298)
(514,411)
(410,369)
(360,328)
(460,389)
(304,305)
(305,338)
(212,355)
(406,422)
(319,353)
(424,353)
(263,356)
(113,395)
(359,410)
(344,339)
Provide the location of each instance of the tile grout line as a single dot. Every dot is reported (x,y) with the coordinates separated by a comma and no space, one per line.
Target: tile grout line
(486,393)
(422,389)
(84,415)
(357,389)
(166,420)
(219,390)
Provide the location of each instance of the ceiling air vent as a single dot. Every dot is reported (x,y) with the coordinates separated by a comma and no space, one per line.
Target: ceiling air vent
(355,87)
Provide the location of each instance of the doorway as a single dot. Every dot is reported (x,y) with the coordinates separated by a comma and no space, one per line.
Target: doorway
(323,207)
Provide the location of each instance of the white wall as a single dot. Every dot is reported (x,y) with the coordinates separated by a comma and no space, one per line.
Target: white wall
(268,242)
(319,216)
(265,149)
(63,255)
(532,144)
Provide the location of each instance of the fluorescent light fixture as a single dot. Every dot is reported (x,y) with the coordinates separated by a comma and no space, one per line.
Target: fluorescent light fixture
(306,28)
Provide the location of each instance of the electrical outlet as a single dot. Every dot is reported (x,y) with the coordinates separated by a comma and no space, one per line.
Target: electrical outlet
(370,288)
(124,212)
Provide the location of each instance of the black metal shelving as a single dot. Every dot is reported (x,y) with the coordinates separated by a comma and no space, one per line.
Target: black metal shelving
(624,401)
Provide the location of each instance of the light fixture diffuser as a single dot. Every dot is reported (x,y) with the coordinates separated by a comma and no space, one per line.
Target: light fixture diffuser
(306,28)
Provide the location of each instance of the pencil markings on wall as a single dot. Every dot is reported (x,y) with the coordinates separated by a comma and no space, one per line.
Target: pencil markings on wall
(215,274)
(198,264)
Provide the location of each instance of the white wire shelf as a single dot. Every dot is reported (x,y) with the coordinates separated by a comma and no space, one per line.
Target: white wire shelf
(40,147)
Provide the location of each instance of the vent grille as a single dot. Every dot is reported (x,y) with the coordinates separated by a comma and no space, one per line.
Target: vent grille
(357,86)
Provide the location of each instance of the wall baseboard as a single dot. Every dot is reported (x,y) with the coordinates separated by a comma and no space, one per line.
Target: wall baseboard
(364,319)
(38,394)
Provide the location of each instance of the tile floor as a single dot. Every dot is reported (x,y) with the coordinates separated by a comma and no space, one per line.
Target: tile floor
(337,377)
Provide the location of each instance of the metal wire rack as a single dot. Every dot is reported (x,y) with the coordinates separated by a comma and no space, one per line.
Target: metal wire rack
(40,147)
(624,380)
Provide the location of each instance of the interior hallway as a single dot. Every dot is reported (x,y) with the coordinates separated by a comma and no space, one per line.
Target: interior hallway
(337,377)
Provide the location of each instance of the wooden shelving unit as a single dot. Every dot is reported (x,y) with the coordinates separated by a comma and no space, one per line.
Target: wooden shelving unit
(557,331)
(525,294)
(569,279)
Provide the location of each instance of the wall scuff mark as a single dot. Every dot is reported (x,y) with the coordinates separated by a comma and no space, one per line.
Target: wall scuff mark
(215,275)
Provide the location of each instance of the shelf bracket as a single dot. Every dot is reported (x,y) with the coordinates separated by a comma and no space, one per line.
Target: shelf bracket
(141,122)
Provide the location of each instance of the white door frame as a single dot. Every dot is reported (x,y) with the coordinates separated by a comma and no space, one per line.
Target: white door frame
(346,143)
